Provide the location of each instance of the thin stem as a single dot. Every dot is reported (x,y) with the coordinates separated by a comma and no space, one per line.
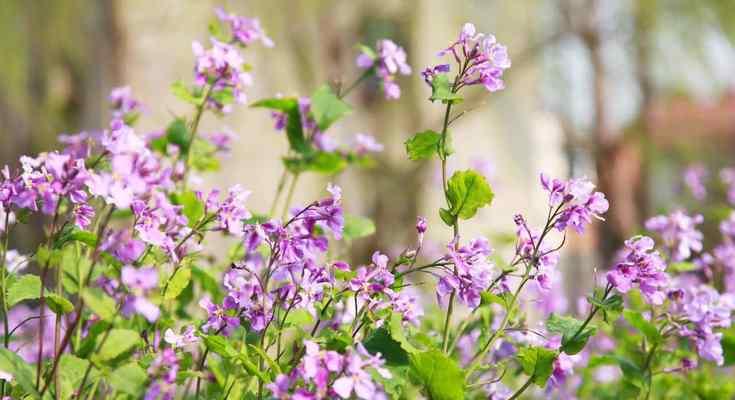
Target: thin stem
(522,389)
(3,292)
(289,196)
(344,93)
(41,297)
(445,337)
(279,190)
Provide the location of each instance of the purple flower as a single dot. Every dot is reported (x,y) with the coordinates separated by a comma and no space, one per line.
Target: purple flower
(481,58)
(163,372)
(470,274)
(695,177)
(221,66)
(184,339)
(640,264)
(231,212)
(702,310)
(123,103)
(575,202)
(678,233)
(727,175)
(140,281)
(389,60)
(364,143)
(218,320)
(244,30)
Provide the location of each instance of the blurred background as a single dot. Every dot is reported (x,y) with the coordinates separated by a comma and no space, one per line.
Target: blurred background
(628,93)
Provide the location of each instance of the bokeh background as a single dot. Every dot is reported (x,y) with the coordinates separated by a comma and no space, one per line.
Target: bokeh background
(628,93)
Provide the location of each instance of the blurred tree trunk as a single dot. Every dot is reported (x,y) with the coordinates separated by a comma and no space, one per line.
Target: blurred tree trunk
(62,58)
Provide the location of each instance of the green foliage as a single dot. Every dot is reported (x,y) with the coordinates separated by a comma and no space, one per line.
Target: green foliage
(177,133)
(118,341)
(203,156)
(381,341)
(467,191)
(611,306)
(357,227)
(182,92)
(571,343)
(319,161)
(441,89)
(423,145)
(192,207)
(26,287)
(100,303)
(58,304)
(71,373)
(327,108)
(294,131)
(23,374)
(177,283)
(537,363)
(440,376)
(649,330)
(129,378)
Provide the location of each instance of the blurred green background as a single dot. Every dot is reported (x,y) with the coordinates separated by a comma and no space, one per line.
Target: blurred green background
(625,92)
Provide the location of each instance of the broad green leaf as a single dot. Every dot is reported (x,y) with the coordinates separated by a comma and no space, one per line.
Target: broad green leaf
(74,234)
(193,208)
(26,287)
(100,303)
(537,362)
(357,227)
(441,89)
(177,283)
(681,267)
(568,328)
(129,378)
(327,108)
(118,342)
(440,376)
(23,373)
(381,341)
(447,217)
(58,304)
(467,191)
(649,330)
(277,103)
(71,372)
(178,133)
(423,145)
(208,283)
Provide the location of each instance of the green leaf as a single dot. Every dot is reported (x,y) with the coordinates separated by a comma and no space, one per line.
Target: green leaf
(208,283)
(649,330)
(71,372)
(681,267)
(398,333)
(182,92)
(568,328)
(100,303)
(193,208)
(538,363)
(118,342)
(441,89)
(22,371)
(327,108)
(728,346)
(178,134)
(357,227)
(467,191)
(203,156)
(178,282)
(219,345)
(129,379)
(27,287)
(440,376)
(381,341)
(58,304)
(447,216)
(423,145)
(321,162)
(294,131)
(611,306)
(73,234)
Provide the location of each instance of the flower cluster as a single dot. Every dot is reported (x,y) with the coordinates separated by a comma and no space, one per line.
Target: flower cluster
(480,58)
(326,374)
(387,60)
(679,234)
(639,264)
(469,274)
(163,371)
(575,202)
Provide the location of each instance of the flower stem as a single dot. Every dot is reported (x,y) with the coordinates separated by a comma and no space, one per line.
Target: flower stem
(445,337)
(3,289)
(289,196)
(521,389)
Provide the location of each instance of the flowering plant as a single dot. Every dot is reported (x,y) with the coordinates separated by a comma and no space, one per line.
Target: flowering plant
(128,301)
